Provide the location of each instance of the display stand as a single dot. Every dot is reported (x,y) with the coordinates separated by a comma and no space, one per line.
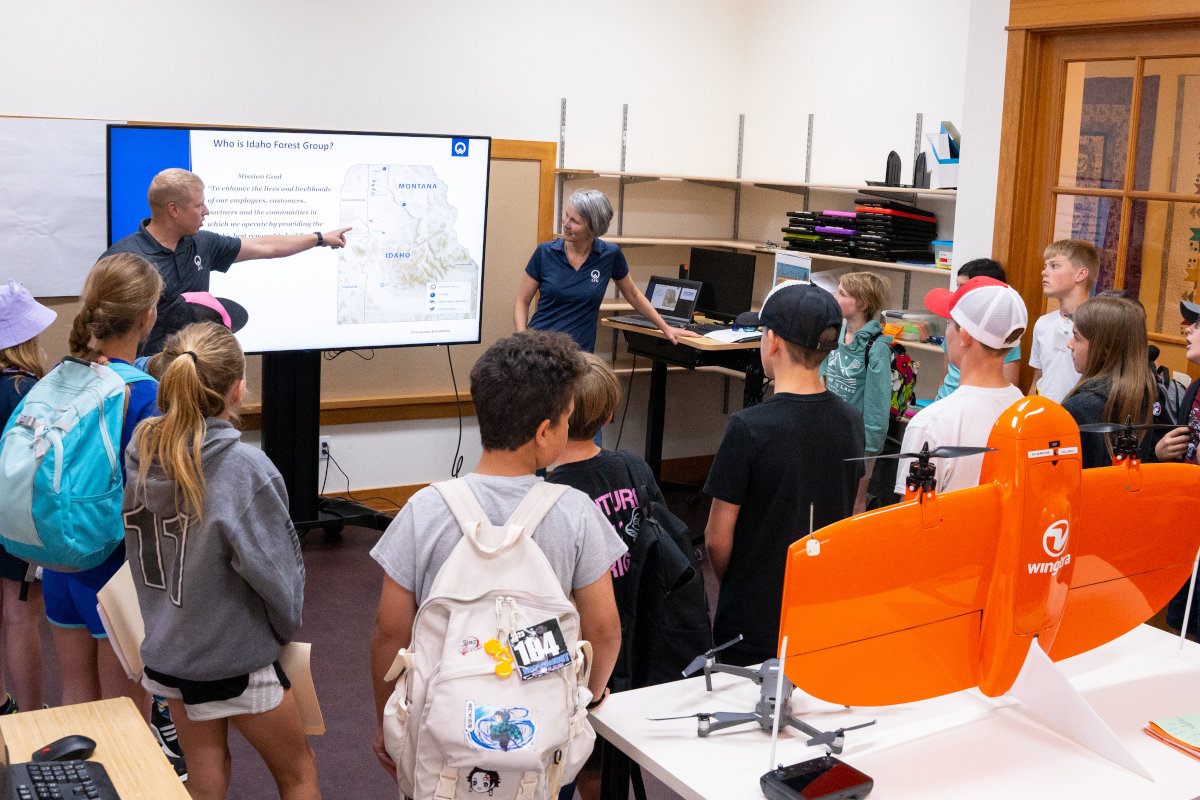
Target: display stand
(291,422)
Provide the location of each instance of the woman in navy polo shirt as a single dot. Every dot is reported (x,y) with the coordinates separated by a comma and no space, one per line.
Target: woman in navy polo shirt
(572,275)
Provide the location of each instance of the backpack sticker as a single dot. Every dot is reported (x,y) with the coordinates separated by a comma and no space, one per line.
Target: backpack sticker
(539,649)
(483,781)
(469,645)
(496,728)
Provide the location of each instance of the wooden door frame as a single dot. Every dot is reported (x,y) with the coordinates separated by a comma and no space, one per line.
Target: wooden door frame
(1029,113)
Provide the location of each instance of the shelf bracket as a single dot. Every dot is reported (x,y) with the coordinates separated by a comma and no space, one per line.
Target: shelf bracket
(562,154)
(808,153)
(737,189)
(621,181)
(917,140)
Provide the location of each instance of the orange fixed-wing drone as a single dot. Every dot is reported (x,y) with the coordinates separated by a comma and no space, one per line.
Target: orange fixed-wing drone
(947,592)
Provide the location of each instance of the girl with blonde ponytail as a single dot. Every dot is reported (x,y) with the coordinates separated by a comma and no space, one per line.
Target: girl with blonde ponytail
(218,571)
(117,313)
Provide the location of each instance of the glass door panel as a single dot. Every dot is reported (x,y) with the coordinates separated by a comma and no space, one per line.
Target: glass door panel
(1169,136)
(1097,104)
(1166,254)
(1093,219)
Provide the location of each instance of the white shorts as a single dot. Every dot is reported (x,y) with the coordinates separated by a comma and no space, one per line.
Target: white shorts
(260,691)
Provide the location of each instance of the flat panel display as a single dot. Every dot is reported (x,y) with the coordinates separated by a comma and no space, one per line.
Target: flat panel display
(412,269)
(728,279)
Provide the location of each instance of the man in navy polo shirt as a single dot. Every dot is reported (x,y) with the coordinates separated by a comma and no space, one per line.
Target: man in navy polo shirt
(184,255)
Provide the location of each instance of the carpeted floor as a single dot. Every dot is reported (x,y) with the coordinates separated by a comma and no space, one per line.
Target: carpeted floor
(341,594)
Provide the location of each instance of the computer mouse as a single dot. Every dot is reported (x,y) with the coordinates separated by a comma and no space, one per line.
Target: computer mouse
(65,749)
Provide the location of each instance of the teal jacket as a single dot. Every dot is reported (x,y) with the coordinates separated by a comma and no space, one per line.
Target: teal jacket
(865,383)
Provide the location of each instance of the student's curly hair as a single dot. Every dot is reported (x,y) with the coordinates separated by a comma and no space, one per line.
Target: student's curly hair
(521,381)
(117,291)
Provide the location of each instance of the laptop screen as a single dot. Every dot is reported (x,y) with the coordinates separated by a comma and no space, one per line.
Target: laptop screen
(673,297)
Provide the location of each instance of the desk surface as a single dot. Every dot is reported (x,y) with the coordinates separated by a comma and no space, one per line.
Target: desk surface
(125,746)
(963,745)
(698,342)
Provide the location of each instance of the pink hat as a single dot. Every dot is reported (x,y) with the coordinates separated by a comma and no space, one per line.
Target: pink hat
(21,317)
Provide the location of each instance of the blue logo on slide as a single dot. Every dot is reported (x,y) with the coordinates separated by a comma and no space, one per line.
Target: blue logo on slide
(459,147)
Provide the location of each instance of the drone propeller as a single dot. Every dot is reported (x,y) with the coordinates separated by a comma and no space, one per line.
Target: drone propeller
(701,715)
(938,452)
(1115,427)
(699,661)
(829,738)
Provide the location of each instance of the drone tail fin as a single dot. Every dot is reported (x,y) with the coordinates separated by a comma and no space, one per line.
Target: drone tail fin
(1135,546)
(885,588)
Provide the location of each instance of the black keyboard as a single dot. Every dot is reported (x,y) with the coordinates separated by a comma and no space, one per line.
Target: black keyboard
(61,780)
(704,327)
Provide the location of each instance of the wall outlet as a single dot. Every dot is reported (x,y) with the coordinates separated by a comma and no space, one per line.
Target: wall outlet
(323,448)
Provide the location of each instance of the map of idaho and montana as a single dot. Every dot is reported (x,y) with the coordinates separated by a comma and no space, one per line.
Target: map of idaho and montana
(402,261)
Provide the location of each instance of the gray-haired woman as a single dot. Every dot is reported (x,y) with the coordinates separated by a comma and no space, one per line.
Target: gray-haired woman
(572,275)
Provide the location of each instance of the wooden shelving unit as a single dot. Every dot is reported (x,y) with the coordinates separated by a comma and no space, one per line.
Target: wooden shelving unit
(737,185)
(804,190)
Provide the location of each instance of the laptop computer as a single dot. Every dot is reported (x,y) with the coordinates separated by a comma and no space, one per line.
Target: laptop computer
(673,298)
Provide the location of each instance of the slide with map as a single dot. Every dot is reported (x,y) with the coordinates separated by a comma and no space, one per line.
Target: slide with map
(412,269)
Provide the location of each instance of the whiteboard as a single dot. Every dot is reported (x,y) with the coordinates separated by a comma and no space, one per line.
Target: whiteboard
(53,205)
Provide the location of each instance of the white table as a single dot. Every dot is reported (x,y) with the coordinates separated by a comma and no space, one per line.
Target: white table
(963,745)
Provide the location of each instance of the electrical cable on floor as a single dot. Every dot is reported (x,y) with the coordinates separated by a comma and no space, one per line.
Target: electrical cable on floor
(329,459)
(457,461)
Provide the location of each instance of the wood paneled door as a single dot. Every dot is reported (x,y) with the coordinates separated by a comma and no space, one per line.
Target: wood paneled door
(1101,142)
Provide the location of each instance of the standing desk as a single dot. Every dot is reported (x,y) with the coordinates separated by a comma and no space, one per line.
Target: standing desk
(963,745)
(124,744)
(690,352)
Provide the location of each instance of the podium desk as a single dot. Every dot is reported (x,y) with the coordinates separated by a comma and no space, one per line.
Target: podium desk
(690,352)
(124,745)
(963,745)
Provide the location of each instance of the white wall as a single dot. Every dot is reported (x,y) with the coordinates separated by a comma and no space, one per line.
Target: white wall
(983,110)
(864,69)
(686,68)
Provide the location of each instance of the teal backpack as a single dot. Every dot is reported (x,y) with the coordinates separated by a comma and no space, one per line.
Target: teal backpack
(60,467)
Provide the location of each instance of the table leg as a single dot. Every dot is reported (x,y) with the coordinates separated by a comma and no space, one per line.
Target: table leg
(614,772)
(656,412)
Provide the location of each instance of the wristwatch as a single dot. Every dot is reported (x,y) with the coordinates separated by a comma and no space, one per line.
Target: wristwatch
(320,240)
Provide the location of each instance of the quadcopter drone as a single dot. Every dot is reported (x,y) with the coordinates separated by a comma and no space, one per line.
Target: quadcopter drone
(769,704)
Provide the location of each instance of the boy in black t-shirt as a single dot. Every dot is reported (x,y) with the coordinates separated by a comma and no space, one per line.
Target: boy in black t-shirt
(780,463)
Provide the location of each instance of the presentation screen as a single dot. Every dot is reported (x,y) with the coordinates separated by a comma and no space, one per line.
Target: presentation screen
(411,272)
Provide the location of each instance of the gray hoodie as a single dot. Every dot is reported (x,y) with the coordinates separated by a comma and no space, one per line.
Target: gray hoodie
(218,595)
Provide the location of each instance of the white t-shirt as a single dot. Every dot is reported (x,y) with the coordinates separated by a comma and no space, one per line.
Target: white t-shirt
(963,418)
(1050,354)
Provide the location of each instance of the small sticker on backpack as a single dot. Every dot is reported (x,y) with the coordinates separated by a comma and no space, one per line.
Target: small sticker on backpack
(498,727)
(539,649)
(469,645)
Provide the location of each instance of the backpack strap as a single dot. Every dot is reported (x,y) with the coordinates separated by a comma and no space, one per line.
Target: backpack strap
(128,373)
(471,517)
(534,507)
(870,344)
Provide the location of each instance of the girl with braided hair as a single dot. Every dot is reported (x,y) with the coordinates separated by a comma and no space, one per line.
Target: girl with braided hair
(118,311)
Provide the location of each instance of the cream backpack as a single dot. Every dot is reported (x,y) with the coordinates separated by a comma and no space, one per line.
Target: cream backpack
(462,722)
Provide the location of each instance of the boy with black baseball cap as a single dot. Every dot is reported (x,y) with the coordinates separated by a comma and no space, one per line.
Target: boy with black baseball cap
(984,319)
(780,464)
